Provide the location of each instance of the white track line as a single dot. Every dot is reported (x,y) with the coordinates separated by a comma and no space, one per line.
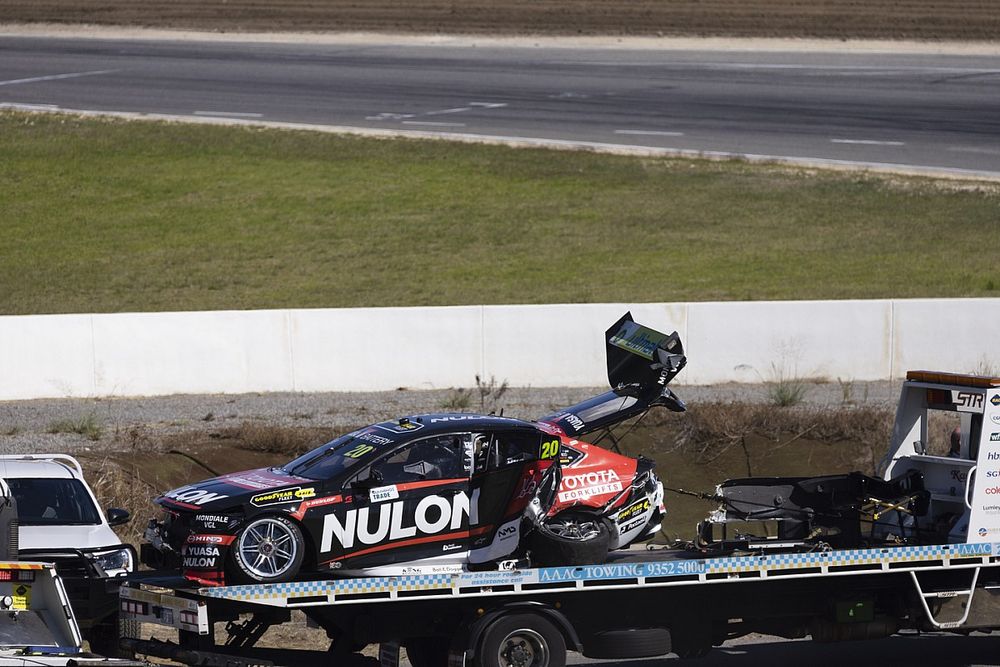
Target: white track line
(432,123)
(17,106)
(555,144)
(229,114)
(650,133)
(56,77)
(867,142)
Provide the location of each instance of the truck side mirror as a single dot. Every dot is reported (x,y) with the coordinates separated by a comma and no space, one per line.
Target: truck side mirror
(118,517)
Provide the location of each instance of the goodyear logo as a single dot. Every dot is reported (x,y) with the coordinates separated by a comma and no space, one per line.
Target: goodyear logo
(282,496)
(633,511)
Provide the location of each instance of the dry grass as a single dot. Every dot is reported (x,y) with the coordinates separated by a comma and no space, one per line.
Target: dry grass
(916,19)
(707,431)
(120,484)
(287,441)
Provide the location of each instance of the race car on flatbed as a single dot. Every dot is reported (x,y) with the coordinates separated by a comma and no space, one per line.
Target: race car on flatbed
(839,557)
(435,493)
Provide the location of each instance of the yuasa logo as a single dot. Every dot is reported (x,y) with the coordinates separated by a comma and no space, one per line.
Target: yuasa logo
(201,551)
(574,421)
(189,494)
(433,515)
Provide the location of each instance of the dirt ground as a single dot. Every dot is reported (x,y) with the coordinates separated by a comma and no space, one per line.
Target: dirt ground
(838,19)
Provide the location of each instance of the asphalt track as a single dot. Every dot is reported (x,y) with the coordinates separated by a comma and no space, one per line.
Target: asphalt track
(939,113)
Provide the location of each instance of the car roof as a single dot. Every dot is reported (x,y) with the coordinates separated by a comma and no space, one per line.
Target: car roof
(445,422)
(37,468)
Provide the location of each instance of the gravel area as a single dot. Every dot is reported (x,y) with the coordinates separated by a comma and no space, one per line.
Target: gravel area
(104,424)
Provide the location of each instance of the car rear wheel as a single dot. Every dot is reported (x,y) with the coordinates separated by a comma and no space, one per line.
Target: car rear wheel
(570,538)
(268,549)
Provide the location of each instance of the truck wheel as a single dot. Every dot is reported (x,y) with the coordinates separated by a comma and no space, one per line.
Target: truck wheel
(266,550)
(570,538)
(522,640)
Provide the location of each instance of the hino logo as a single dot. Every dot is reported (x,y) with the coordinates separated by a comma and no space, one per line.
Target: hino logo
(433,514)
(189,494)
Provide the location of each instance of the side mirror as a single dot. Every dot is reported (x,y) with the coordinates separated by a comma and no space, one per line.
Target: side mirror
(118,517)
(368,483)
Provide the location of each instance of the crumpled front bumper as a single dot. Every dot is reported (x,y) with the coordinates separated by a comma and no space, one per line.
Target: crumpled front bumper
(156,551)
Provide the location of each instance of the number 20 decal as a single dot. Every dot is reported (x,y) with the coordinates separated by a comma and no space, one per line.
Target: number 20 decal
(550,450)
(359,451)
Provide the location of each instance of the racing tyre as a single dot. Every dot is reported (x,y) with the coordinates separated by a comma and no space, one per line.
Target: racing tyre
(268,549)
(570,538)
(522,640)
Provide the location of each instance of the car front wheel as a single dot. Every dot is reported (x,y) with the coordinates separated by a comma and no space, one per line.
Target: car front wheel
(570,538)
(267,550)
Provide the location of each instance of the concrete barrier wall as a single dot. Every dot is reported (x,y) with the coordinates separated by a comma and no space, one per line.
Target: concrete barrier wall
(43,356)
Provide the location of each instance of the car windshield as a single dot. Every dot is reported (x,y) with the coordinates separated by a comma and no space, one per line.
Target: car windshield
(331,459)
(44,501)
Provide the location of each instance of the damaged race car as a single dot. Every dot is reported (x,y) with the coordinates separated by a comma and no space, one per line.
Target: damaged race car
(436,492)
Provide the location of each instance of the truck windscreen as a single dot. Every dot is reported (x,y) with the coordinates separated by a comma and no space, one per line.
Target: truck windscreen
(46,501)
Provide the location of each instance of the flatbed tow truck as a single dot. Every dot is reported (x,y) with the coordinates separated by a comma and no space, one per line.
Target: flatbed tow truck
(927,559)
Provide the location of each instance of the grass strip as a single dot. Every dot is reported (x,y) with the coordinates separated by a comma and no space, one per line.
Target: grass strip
(837,19)
(112,216)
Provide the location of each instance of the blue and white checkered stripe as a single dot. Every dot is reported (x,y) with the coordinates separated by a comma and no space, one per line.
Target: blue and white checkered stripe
(846,558)
(332,588)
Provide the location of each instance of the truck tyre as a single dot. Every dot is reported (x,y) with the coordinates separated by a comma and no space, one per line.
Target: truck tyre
(268,549)
(637,643)
(521,640)
(427,651)
(570,538)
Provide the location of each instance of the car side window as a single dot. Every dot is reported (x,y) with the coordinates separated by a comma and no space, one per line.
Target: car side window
(438,457)
(513,448)
(481,447)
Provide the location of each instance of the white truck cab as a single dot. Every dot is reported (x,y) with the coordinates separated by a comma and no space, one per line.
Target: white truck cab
(948,428)
(61,522)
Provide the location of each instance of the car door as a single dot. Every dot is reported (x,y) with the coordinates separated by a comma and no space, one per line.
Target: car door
(412,504)
(508,470)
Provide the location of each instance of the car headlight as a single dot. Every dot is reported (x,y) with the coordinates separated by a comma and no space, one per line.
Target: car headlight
(116,562)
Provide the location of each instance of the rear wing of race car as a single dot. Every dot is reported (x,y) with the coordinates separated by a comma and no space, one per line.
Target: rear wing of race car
(641,362)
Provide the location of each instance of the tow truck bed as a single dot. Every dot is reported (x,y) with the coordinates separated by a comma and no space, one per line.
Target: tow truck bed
(697,601)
